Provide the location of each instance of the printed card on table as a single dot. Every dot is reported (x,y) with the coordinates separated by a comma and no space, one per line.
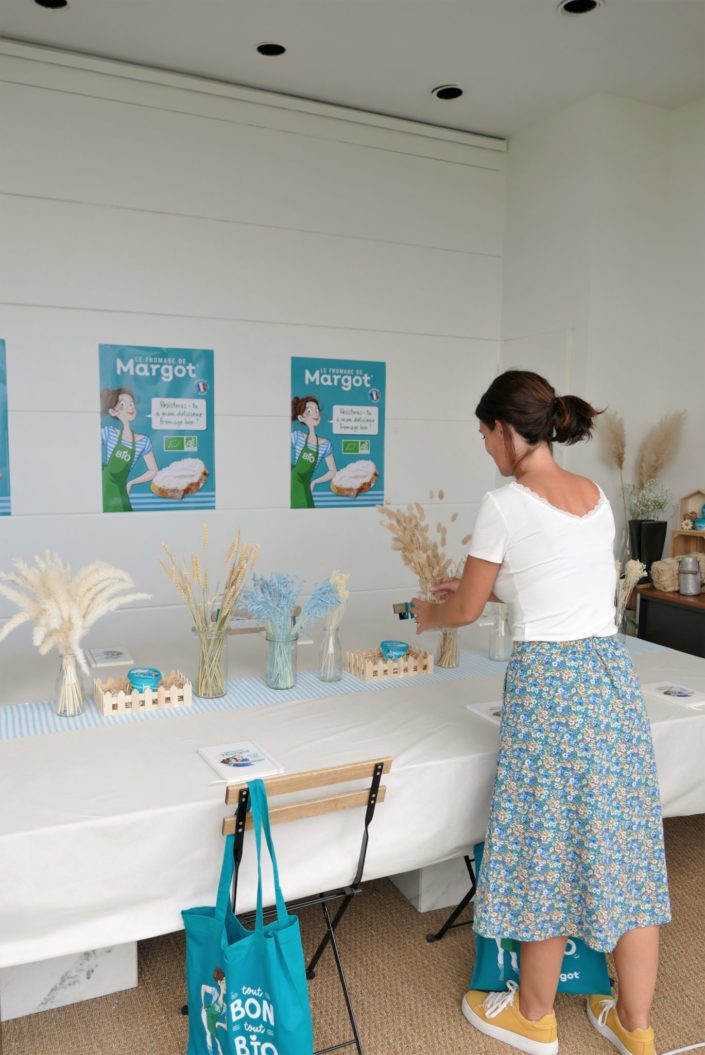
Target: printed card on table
(673,692)
(491,711)
(240,761)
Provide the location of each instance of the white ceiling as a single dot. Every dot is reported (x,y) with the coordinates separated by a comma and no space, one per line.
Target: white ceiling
(517,60)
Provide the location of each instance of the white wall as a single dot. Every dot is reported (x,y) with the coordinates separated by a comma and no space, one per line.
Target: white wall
(143,208)
(604,256)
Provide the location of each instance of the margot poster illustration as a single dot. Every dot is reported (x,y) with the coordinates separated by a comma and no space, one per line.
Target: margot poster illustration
(337,433)
(157,428)
(4,441)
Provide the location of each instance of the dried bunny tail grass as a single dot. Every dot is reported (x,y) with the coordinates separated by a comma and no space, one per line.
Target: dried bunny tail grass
(658,447)
(612,438)
(441,494)
(453,518)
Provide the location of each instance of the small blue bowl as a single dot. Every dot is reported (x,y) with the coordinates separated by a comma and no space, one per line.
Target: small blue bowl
(142,678)
(393,649)
(699,523)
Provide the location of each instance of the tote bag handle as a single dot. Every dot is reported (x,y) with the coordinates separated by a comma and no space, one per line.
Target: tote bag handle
(260,819)
(226,878)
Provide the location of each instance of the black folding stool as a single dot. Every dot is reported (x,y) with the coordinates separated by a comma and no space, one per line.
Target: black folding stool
(450,923)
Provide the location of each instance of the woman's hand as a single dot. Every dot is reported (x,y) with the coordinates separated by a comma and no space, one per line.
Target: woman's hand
(444,588)
(424,612)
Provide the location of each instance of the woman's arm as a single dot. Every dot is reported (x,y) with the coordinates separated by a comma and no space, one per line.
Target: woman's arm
(332,470)
(151,463)
(465,604)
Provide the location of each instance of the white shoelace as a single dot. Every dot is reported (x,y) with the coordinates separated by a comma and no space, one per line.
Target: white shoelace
(606,1006)
(494,1003)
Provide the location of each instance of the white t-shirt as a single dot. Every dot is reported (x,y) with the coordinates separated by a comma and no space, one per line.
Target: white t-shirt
(557,571)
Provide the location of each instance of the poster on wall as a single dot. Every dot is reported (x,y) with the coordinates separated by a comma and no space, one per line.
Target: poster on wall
(4,438)
(157,428)
(337,433)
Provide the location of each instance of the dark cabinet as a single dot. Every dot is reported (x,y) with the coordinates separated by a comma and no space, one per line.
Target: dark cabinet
(672,620)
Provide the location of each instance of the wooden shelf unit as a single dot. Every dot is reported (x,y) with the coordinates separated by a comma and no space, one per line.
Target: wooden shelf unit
(683,542)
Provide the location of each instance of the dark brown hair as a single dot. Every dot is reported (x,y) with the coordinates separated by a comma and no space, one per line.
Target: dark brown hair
(109,398)
(528,402)
(218,975)
(298,405)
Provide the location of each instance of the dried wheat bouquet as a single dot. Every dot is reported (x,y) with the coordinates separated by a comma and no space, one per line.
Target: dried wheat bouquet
(413,539)
(63,608)
(211,605)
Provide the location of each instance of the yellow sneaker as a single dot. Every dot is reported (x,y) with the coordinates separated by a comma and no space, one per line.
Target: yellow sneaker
(602,1012)
(498,1015)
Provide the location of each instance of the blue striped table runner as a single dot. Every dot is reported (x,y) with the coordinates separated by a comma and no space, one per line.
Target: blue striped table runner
(37,719)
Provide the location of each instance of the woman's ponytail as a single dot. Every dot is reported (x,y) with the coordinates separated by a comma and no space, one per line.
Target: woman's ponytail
(573,419)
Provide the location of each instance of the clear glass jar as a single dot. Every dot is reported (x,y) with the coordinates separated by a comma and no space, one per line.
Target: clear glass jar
(500,635)
(212,675)
(69,690)
(447,654)
(281,661)
(330,667)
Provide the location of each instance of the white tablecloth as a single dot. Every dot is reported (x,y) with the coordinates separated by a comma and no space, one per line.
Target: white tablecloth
(105,835)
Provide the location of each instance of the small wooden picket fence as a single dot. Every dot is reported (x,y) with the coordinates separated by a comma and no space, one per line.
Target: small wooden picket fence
(119,697)
(369,665)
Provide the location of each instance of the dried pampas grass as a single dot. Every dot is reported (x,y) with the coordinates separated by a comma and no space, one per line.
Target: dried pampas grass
(63,608)
(612,438)
(658,447)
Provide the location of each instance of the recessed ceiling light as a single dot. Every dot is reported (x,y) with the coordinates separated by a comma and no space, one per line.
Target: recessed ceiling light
(52,5)
(447,91)
(579,7)
(271,49)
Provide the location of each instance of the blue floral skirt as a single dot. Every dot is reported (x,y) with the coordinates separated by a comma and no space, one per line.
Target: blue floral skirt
(575,838)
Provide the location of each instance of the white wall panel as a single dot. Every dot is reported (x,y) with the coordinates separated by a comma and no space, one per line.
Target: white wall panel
(55,360)
(291,540)
(198,219)
(117,154)
(144,262)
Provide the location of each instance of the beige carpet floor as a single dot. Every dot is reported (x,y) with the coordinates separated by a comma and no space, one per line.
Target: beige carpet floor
(406,992)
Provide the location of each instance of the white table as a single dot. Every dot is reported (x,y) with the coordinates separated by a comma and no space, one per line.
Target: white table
(105,835)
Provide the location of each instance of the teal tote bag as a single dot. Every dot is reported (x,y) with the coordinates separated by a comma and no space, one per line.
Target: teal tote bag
(497,961)
(268,1010)
(205,973)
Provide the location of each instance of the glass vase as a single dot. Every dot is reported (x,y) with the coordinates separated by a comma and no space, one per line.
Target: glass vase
(500,635)
(281,661)
(331,656)
(69,690)
(212,676)
(447,655)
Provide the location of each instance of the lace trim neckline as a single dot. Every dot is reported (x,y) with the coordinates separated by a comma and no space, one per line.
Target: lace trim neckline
(566,513)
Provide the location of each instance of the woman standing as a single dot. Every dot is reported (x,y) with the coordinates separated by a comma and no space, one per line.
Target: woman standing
(308,450)
(121,448)
(574,844)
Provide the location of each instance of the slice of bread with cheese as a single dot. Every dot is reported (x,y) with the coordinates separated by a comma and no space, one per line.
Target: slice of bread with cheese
(180,478)
(354,479)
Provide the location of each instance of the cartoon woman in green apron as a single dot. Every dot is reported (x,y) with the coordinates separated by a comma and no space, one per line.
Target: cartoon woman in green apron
(213,1013)
(307,451)
(121,449)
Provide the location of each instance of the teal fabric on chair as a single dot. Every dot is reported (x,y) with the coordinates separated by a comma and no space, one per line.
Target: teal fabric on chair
(205,972)
(268,1010)
(497,961)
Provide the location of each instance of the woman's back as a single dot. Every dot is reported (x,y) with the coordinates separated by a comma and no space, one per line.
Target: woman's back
(557,569)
